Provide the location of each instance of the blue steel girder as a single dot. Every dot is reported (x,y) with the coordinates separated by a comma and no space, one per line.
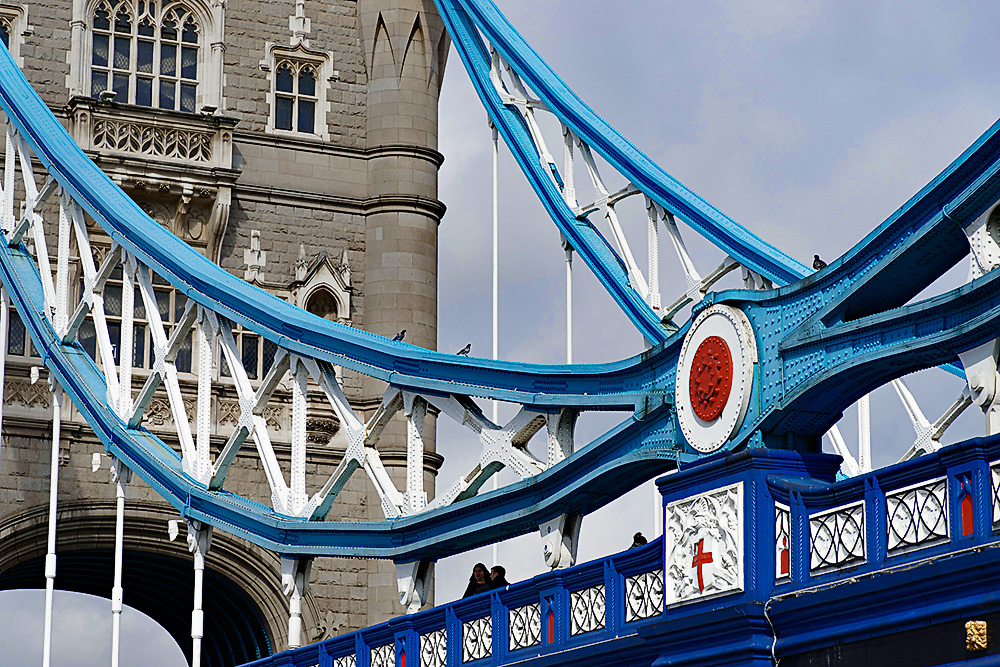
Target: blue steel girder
(850,317)
(828,340)
(465,20)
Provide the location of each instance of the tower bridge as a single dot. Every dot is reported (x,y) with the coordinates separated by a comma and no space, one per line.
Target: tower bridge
(254,215)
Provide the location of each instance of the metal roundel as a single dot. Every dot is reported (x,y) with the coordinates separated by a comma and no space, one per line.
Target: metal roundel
(715,376)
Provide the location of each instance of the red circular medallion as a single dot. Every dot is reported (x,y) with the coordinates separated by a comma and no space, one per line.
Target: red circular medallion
(711,378)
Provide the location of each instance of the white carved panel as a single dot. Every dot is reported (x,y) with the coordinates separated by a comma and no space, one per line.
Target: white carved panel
(917,516)
(704,545)
(477,639)
(345,661)
(384,656)
(643,596)
(586,610)
(525,626)
(433,649)
(782,542)
(837,537)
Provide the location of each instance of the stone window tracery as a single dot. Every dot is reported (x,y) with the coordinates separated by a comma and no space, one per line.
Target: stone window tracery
(295,96)
(147,52)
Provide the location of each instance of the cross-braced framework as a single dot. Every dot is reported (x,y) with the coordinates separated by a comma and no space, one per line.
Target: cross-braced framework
(820,334)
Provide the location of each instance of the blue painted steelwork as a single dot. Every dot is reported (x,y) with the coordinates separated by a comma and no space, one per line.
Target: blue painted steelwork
(823,340)
(935,581)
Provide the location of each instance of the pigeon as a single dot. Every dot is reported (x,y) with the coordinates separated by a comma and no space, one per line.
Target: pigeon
(398,337)
(818,263)
(464,352)
(638,540)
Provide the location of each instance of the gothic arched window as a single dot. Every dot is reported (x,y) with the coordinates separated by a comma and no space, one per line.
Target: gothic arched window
(323,303)
(147,52)
(295,96)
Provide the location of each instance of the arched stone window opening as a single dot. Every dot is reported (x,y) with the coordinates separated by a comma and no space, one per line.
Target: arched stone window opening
(147,53)
(323,303)
(295,97)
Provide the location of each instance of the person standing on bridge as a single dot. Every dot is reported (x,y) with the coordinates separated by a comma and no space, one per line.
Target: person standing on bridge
(479,582)
(498,577)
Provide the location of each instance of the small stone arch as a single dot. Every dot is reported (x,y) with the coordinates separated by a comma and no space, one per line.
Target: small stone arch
(321,301)
(246,614)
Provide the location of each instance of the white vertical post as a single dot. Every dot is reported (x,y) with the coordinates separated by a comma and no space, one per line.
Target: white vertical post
(569,300)
(654,256)
(4,314)
(864,434)
(120,476)
(199,541)
(294,582)
(496,281)
(50,556)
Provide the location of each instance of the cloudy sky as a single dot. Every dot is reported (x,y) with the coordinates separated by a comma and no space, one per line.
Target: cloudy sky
(808,122)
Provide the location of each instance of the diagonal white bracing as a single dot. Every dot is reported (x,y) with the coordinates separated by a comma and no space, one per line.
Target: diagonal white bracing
(928,435)
(501,446)
(287,379)
(513,92)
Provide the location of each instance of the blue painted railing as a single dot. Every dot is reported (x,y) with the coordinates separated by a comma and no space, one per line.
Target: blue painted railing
(612,610)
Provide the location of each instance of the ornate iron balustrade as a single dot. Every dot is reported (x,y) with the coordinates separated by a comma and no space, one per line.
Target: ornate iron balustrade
(591,602)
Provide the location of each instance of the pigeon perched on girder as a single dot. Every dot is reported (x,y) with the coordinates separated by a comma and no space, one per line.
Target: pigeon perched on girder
(398,337)
(818,263)
(464,352)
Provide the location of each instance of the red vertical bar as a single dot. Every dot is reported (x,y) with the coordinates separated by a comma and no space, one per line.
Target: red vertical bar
(552,627)
(402,659)
(967,515)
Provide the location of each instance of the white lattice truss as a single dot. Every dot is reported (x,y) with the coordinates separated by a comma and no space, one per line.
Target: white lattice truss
(502,445)
(514,93)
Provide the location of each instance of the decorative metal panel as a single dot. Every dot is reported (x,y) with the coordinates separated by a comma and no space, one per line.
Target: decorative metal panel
(477,639)
(917,516)
(837,537)
(345,661)
(433,649)
(384,656)
(525,626)
(643,596)
(995,485)
(782,541)
(586,610)
(704,545)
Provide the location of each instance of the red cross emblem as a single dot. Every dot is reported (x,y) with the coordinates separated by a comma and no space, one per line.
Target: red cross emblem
(701,557)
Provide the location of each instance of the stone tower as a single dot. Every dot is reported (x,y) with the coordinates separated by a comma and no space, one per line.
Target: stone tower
(294,143)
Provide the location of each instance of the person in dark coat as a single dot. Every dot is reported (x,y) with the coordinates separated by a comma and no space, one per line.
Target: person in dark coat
(479,582)
(498,577)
